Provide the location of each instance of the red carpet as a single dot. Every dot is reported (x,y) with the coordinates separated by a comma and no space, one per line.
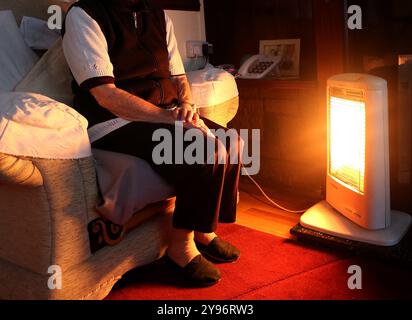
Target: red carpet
(272,268)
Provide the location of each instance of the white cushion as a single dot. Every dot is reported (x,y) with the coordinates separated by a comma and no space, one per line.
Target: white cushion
(36,126)
(212,86)
(50,76)
(37,34)
(16,58)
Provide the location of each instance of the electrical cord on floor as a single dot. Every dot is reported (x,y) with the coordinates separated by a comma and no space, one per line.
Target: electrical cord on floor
(273,203)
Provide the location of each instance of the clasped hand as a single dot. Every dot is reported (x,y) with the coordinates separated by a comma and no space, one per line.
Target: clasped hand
(185,112)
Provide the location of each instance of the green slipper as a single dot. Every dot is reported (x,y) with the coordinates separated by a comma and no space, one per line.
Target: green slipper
(219,250)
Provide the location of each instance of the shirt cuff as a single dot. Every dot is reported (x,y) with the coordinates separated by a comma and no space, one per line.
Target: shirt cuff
(95,82)
(176,67)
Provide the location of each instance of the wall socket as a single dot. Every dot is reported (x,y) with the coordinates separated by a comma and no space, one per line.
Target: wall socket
(194,48)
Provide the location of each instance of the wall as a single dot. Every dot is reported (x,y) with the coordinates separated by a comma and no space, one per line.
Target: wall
(291,114)
(189,25)
(235,27)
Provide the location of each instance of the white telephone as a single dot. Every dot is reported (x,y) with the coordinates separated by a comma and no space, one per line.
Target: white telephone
(258,66)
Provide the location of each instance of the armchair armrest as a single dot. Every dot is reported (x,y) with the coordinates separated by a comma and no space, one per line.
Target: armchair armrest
(16,171)
(45,206)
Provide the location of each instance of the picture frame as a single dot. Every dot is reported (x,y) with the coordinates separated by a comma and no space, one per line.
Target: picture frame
(289,49)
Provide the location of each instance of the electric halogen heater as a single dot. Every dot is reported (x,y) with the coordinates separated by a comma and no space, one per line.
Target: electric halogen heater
(357,205)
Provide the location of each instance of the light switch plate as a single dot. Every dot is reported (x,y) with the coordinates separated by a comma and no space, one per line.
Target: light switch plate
(194,48)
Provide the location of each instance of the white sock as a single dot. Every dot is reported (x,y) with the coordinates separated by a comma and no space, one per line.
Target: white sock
(204,238)
(182,251)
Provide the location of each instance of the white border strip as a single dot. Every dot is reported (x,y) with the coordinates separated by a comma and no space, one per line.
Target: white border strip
(102,129)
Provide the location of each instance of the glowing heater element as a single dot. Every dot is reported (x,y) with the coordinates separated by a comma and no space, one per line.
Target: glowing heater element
(347,122)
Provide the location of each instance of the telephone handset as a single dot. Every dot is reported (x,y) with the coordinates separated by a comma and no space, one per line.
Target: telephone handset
(258,66)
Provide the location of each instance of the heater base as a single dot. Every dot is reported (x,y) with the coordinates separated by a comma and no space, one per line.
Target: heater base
(323,218)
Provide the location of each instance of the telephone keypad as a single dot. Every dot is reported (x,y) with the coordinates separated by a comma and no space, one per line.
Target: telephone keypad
(260,67)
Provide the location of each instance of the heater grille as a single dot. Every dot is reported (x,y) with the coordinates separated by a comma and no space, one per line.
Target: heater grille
(346,93)
(347,121)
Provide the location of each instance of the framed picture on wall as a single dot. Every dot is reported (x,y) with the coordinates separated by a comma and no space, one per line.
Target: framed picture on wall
(289,50)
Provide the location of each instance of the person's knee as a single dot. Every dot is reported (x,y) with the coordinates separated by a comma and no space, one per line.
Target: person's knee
(241,143)
(221,153)
(235,149)
(216,152)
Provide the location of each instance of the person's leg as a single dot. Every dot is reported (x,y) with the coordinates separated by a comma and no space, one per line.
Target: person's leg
(228,205)
(198,187)
(181,247)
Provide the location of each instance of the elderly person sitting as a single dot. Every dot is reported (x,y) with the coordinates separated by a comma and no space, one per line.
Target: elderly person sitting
(126,64)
